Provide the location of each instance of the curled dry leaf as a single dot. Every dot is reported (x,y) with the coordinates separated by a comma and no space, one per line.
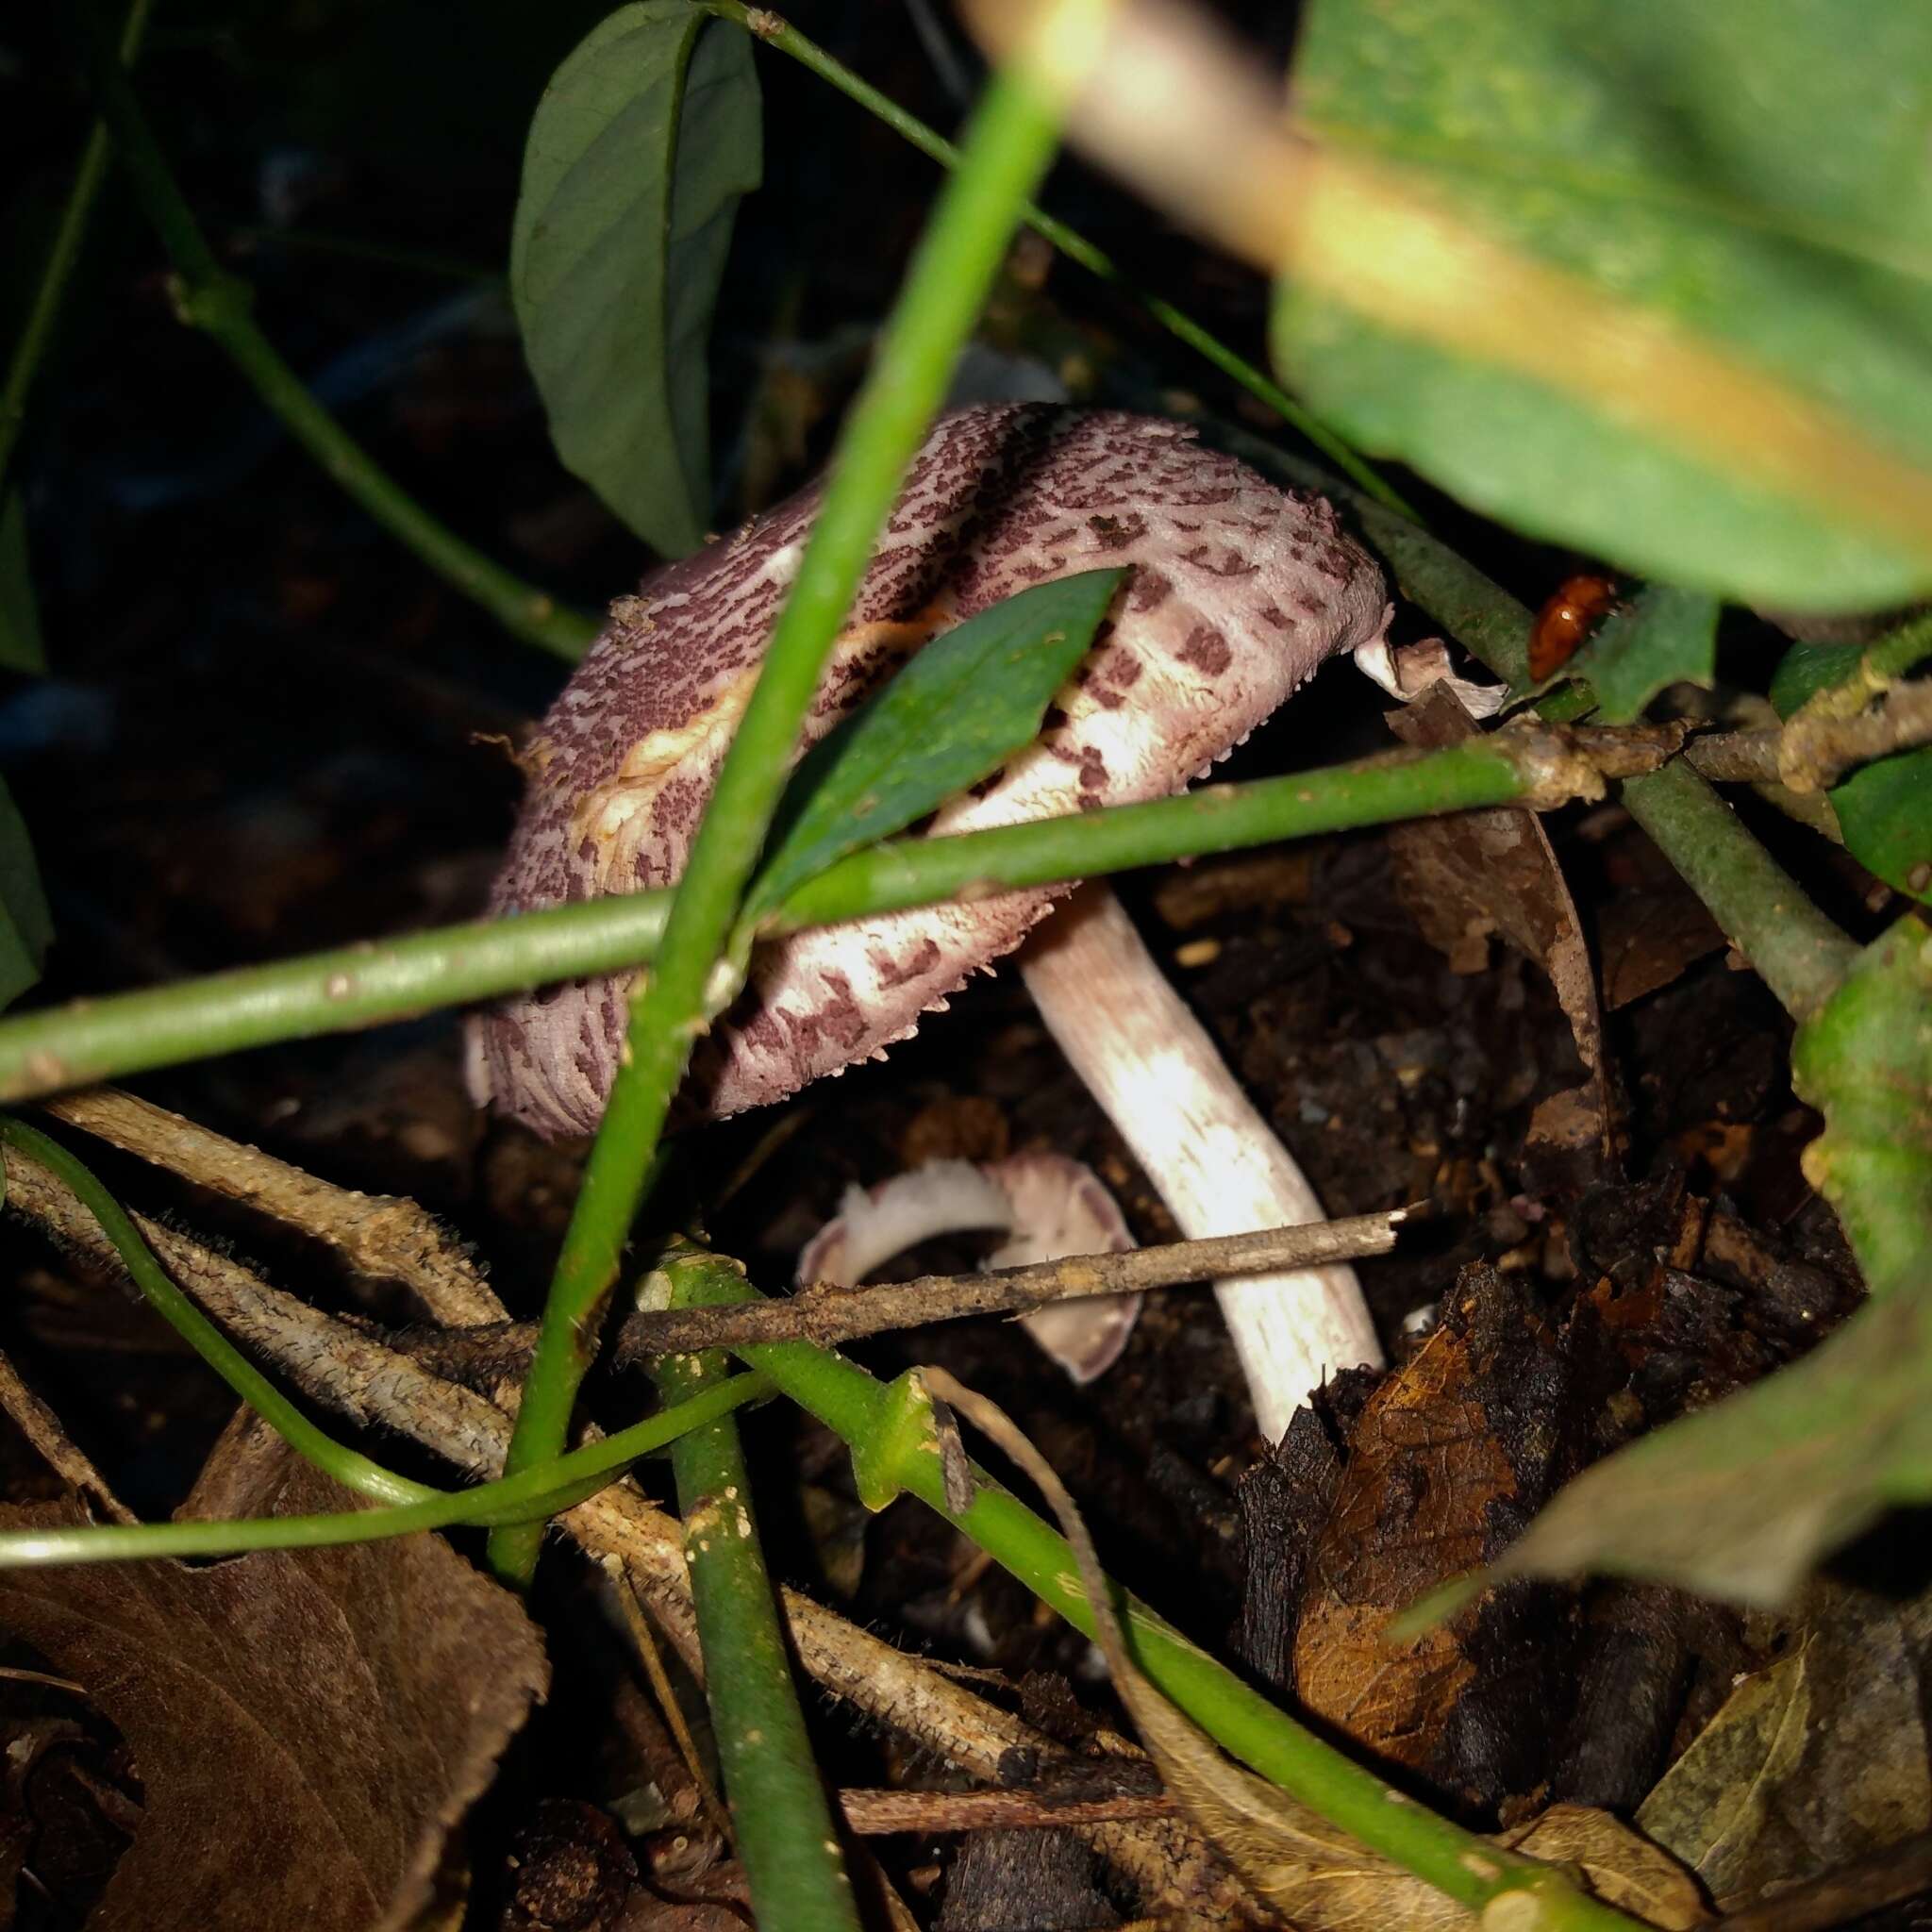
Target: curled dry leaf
(1814,1764)
(1481,873)
(308,1726)
(1304,1868)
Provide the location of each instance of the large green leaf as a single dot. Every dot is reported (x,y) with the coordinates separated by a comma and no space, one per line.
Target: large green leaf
(20,621)
(26,927)
(1884,809)
(1752,176)
(644,141)
(961,707)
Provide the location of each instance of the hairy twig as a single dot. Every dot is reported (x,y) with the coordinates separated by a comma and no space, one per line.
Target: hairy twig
(324,1357)
(387,1236)
(618,1528)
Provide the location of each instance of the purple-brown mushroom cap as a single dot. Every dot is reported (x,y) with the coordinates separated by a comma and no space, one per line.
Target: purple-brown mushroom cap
(1238,592)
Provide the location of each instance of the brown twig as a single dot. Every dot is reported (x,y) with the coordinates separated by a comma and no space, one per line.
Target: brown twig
(621,1531)
(1815,750)
(323,1357)
(873,1814)
(826,1314)
(386,1235)
(43,1429)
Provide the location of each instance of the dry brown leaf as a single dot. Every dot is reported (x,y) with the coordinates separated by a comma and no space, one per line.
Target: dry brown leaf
(1815,1763)
(307,1726)
(1450,1457)
(1474,874)
(1623,1867)
(1304,1868)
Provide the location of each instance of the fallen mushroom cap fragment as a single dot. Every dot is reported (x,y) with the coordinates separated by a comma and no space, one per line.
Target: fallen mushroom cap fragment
(1047,1205)
(1239,591)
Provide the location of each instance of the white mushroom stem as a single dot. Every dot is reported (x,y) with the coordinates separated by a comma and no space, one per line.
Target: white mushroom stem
(1216,1162)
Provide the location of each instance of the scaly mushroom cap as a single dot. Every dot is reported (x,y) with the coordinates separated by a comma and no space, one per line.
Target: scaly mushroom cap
(1239,590)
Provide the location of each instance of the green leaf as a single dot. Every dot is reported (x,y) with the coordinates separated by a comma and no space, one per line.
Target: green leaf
(1661,637)
(644,141)
(1884,809)
(20,620)
(26,927)
(961,707)
(1645,147)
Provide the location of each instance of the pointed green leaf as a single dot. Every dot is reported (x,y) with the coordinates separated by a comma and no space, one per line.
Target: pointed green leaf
(26,927)
(1661,637)
(20,620)
(961,707)
(644,141)
(1645,147)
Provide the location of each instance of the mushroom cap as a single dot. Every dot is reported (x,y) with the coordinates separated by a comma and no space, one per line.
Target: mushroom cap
(1238,592)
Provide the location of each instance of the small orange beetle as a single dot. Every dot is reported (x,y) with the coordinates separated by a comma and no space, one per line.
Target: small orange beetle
(1579,604)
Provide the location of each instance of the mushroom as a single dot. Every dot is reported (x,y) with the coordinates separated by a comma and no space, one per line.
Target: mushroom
(1045,1205)
(1238,592)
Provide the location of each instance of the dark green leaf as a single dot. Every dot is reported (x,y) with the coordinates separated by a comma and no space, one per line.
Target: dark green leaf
(1885,809)
(644,141)
(960,709)
(1661,637)
(1645,147)
(26,927)
(20,620)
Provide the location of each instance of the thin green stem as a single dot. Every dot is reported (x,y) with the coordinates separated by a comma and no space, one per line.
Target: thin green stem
(782,1823)
(1006,153)
(367,983)
(350,1468)
(210,298)
(1798,951)
(888,1429)
(540,1493)
(1898,651)
(776,32)
(75,213)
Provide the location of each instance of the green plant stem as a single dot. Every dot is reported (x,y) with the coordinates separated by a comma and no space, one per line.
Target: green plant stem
(779,33)
(69,235)
(540,1493)
(208,297)
(782,1823)
(1799,953)
(1006,153)
(367,983)
(350,1468)
(888,1429)
(1898,651)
